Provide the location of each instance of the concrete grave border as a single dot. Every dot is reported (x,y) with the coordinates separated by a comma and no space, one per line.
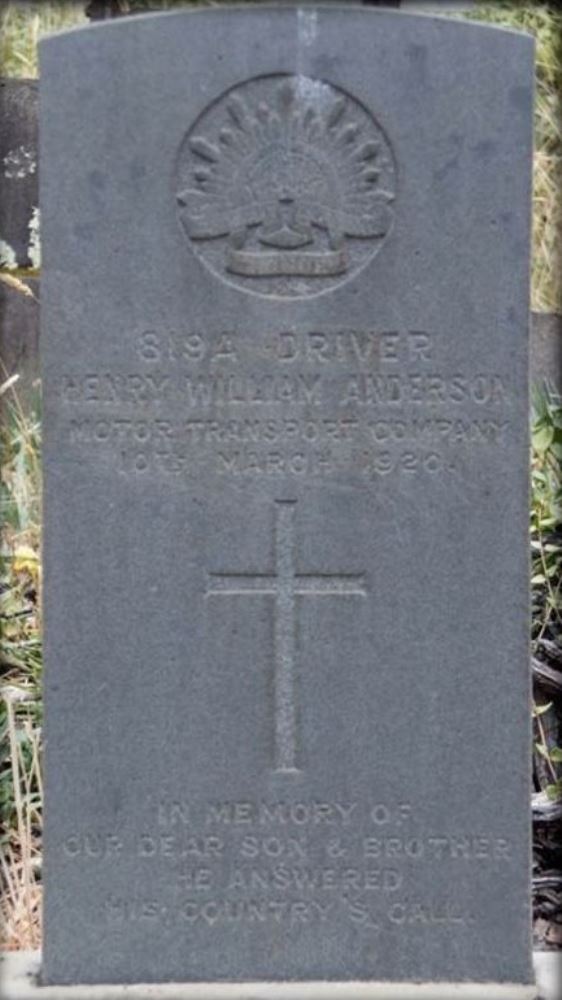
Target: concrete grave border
(19,979)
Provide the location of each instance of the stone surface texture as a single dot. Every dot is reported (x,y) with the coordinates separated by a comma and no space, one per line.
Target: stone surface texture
(285,391)
(20,980)
(19,343)
(18,173)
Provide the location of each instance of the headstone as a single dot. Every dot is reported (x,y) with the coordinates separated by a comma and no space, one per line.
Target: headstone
(19,220)
(19,344)
(285,362)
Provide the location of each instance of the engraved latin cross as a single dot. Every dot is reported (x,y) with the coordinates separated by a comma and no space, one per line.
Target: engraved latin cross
(285,585)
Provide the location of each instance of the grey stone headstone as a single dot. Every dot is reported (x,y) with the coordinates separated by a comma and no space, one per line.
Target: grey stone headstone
(285,361)
(18,174)
(19,345)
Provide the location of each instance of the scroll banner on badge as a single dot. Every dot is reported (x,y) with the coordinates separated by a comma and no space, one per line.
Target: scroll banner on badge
(208,223)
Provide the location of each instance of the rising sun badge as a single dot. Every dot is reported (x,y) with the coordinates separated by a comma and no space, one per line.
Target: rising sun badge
(285,186)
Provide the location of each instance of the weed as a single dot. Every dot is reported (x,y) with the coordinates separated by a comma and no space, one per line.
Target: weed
(20,670)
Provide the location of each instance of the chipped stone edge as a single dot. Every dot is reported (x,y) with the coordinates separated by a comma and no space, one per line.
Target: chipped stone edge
(19,972)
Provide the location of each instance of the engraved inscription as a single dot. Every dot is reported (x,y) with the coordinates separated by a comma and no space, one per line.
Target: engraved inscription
(285,185)
(285,585)
(280,861)
(298,403)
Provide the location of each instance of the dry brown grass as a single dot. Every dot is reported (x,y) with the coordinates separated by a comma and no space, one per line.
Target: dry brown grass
(21,790)
(22,24)
(20,853)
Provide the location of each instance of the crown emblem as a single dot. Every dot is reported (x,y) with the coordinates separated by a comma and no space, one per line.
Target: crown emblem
(285,185)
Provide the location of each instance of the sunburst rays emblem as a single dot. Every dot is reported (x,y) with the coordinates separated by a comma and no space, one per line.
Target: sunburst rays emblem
(286,185)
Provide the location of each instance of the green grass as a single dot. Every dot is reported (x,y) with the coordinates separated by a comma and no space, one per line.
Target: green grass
(23,24)
(20,674)
(544,21)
